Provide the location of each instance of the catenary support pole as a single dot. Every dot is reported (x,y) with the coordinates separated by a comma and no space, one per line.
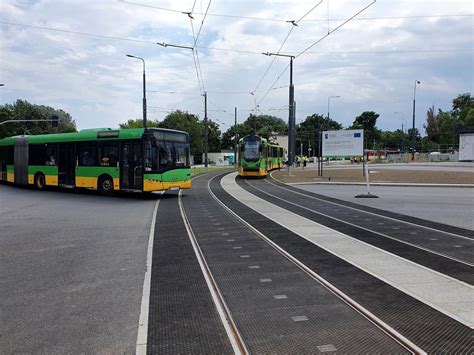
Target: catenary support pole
(206,132)
(235,137)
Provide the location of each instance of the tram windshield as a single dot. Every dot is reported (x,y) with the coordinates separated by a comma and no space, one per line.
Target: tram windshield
(251,149)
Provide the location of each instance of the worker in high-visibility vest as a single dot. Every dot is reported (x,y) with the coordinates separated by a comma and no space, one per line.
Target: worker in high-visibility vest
(305,161)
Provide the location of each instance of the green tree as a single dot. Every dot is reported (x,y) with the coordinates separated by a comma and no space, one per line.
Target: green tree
(187,122)
(367,121)
(228,136)
(139,123)
(306,132)
(432,125)
(263,125)
(214,136)
(469,120)
(461,106)
(22,109)
(396,140)
(417,138)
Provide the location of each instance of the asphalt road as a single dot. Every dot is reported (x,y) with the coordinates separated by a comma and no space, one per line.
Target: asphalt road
(454,206)
(72,267)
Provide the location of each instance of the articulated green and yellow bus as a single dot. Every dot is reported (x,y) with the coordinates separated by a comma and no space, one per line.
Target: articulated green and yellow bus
(257,157)
(104,159)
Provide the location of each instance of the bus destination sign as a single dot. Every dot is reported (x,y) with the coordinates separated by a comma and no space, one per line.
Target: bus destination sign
(108,134)
(171,136)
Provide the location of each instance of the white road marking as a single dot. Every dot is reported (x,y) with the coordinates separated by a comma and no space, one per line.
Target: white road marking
(142,336)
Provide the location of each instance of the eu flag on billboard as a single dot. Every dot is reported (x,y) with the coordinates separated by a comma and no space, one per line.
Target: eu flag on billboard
(357,135)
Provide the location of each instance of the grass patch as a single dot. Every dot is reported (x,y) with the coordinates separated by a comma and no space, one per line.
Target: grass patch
(210,169)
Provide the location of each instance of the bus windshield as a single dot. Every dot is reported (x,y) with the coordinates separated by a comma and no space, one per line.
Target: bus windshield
(166,155)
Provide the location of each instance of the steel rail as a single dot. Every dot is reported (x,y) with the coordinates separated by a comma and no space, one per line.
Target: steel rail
(370,230)
(359,210)
(384,327)
(235,338)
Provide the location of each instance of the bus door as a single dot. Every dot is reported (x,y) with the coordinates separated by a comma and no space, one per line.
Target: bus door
(3,164)
(66,164)
(131,165)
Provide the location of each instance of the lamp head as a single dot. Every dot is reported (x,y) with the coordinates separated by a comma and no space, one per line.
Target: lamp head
(418,82)
(130,56)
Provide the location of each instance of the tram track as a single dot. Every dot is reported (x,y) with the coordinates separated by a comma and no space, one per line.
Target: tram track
(274,305)
(452,266)
(392,333)
(425,326)
(470,264)
(235,338)
(410,220)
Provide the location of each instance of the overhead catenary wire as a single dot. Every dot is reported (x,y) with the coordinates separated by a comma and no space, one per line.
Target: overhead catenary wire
(309,20)
(294,23)
(313,44)
(202,23)
(336,28)
(196,62)
(80,33)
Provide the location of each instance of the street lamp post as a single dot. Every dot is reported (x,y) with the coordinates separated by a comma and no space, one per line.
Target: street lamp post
(403,120)
(321,134)
(329,98)
(291,113)
(206,135)
(403,129)
(144,90)
(413,127)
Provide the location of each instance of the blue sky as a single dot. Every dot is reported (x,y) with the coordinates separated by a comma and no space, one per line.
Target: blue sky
(371,62)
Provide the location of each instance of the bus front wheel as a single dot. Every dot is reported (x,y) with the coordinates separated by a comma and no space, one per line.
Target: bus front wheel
(40,181)
(106,185)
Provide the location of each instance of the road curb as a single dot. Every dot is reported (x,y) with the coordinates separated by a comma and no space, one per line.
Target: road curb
(376,184)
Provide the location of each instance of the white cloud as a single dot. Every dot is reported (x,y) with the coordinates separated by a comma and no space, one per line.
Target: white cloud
(92,79)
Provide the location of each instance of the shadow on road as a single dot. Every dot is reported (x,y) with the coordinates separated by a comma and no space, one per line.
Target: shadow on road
(118,195)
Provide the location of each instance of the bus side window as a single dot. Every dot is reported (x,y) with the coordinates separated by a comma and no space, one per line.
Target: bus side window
(51,154)
(37,154)
(108,153)
(87,154)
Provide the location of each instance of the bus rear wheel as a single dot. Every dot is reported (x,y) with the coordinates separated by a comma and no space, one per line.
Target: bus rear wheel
(40,181)
(106,185)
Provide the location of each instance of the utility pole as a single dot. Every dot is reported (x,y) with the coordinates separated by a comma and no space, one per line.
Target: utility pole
(291,114)
(413,136)
(206,133)
(291,121)
(235,137)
